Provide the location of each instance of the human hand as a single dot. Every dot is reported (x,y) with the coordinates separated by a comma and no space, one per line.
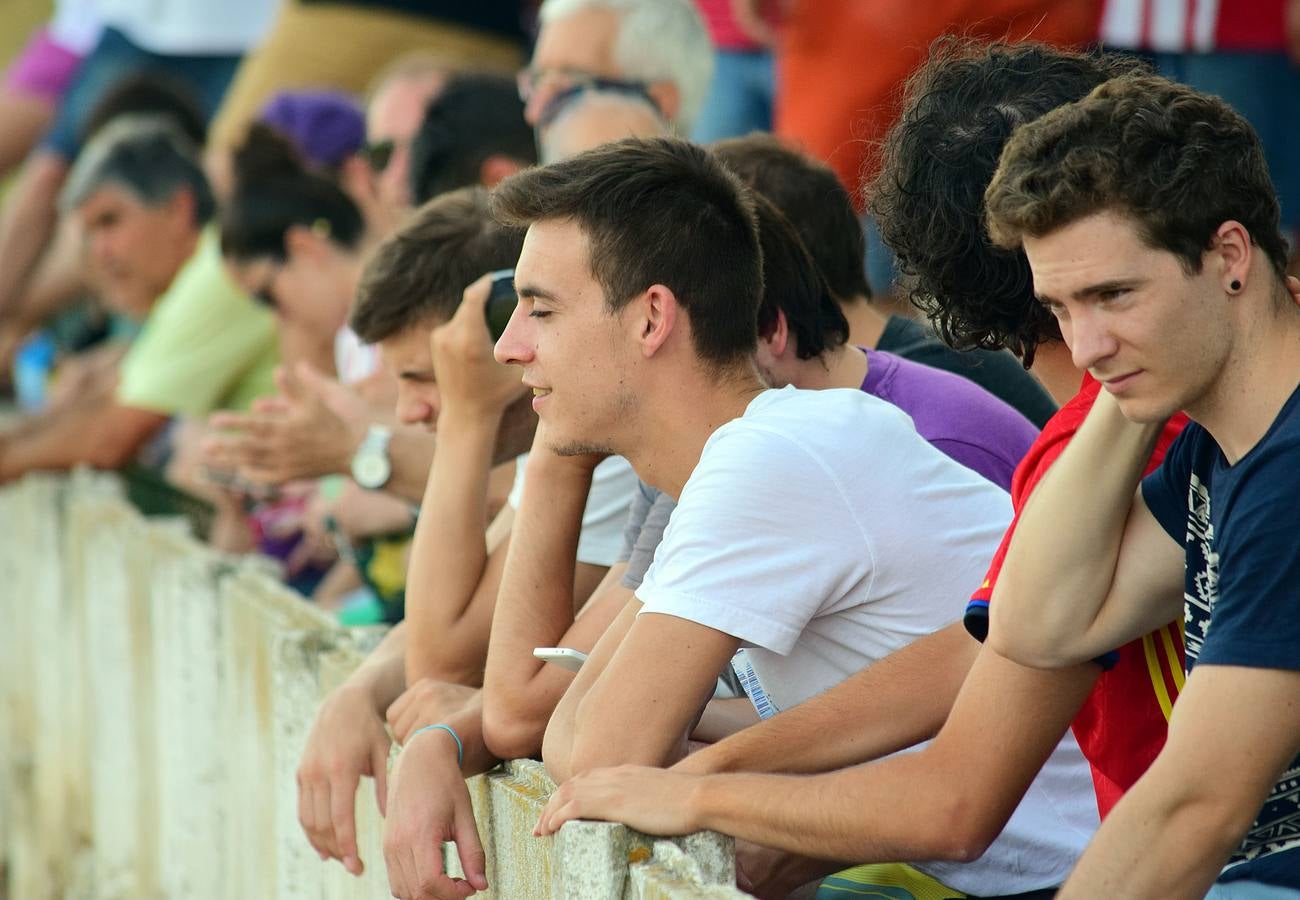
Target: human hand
(347,740)
(655,801)
(427,700)
(469,378)
(428,804)
(310,429)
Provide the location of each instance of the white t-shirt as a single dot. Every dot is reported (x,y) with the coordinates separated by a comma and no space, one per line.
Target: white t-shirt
(353,360)
(612,484)
(825,533)
(190,27)
(75,25)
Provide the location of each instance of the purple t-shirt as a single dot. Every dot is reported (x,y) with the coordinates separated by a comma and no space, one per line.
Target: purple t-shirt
(953,414)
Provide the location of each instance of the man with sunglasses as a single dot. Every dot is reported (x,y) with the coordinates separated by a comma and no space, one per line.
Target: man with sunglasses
(655,49)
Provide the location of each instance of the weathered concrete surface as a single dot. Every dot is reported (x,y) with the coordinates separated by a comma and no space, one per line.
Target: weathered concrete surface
(154,701)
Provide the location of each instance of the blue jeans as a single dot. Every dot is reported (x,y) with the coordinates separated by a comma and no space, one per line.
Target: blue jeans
(740,96)
(115,57)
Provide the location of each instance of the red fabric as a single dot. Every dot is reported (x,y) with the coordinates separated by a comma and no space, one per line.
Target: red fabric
(723,30)
(1250,25)
(1121,726)
(841,66)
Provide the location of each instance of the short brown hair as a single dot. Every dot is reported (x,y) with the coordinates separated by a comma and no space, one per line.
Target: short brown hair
(1178,162)
(417,276)
(810,195)
(657,211)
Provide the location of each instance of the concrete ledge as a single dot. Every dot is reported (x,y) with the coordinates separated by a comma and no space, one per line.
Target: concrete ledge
(154,700)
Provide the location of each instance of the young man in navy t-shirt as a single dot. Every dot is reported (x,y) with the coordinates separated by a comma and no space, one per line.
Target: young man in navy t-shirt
(1151,226)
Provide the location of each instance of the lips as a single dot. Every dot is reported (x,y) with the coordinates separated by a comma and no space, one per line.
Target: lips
(1119,383)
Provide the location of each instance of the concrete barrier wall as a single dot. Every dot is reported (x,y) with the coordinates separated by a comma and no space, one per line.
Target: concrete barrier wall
(154,700)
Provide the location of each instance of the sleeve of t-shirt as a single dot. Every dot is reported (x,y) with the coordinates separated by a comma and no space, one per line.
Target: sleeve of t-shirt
(613,485)
(1256,618)
(195,346)
(648,537)
(1164,491)
(745,550)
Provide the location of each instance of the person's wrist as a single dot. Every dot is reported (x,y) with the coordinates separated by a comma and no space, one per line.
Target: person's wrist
(699,802)
(463,415)
(449,740)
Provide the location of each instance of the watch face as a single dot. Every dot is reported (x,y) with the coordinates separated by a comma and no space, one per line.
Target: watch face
(370,470)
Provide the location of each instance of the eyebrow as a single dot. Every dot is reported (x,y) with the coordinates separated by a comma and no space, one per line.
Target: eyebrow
(529,291)
(1093,290)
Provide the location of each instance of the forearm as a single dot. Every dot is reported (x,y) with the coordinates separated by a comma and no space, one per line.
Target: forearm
(383,674)
(27,223)
(103,437)
(535,602)
(894,703)
(831,816)
(410,453)
(1153,846)
(449,552)
(1053,585)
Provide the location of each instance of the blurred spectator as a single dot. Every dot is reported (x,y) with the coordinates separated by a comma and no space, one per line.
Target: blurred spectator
(658,49)
(36,81)
(143,203)
(347,45)
(808,193)
(473,132)
(598,117)
(197,43)
(741,90)
(64,275)
(1246,52)
(841,67)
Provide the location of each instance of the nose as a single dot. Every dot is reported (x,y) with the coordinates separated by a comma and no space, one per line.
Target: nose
(515,346)
(416,407)
(1090,341)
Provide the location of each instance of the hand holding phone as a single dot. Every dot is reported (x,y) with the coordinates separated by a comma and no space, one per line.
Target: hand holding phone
(501,302)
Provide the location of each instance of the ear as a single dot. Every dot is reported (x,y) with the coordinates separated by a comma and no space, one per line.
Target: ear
(778,339)
(656,319)
(496,168)
(181,206)
(667,97)
(301,241)
(1233,250)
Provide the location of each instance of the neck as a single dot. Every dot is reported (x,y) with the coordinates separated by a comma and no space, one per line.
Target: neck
(866,323)
(300,344)
(1055,370)
(674,427)
(1261,373)
(843,367)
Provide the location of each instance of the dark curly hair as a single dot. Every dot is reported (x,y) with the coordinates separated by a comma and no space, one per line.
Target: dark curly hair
(1178,162)
(959,109)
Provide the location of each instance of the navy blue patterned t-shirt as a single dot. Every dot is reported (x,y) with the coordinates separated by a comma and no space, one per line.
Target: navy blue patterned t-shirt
(1240,527)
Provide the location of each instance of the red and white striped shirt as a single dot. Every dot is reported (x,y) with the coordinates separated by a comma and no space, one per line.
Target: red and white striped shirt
(1174,26)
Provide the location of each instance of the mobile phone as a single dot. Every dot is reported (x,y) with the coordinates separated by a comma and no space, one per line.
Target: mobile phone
(564,657)
(501,302)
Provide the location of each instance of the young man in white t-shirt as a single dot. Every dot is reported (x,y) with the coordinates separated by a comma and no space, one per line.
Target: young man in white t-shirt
(815,529)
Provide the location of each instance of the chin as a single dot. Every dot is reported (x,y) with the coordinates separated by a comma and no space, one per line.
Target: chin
(1146,410)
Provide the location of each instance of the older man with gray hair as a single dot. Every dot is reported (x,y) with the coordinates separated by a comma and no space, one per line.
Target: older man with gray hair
(658,50)
(143,204)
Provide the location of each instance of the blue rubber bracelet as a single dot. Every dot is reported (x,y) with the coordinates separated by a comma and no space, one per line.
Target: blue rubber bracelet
(460,748)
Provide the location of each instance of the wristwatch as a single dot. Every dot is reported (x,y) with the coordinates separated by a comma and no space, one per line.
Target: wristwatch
(370,465)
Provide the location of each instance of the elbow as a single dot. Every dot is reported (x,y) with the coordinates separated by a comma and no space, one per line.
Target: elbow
(968,826)
(1028,649)
(509,731)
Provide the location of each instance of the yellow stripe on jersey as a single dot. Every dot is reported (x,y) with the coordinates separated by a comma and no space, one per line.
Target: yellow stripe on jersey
(1157,675)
